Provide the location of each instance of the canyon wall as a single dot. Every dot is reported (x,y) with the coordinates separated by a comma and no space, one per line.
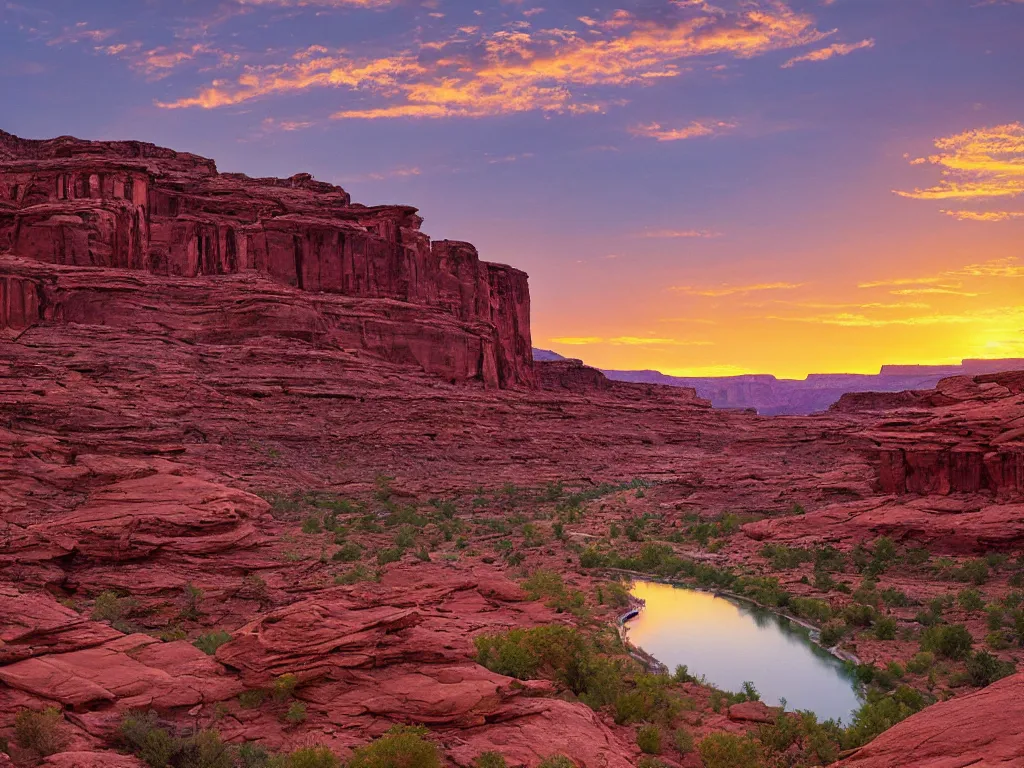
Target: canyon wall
(138,207)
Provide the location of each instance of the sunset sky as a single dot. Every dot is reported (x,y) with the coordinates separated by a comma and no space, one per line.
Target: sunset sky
(702,188)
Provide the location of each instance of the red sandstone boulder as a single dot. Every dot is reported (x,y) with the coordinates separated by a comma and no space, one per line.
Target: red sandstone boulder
(134,519)
(131,671)
(753,712)
(985,728)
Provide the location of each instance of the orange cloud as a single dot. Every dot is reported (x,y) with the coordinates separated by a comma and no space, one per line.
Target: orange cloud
(518,71)
(836,49)
(980,164)
(987,216)
(691,131)
(732,290)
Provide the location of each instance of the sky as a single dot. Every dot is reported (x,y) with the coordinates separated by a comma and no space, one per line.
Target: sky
(701,188)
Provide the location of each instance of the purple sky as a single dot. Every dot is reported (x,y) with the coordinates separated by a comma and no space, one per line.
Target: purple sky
(695,187)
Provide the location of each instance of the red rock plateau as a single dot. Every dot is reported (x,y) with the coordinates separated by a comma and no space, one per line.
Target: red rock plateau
(194,363)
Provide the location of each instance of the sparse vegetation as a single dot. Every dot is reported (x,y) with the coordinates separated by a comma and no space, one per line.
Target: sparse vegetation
(42,732)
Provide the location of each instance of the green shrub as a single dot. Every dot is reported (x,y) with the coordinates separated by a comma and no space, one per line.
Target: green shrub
(858,615)
(41,732)
(648,738)
(682,738)
(984,669)
(952,641)
(356,575)
(251,699)
(885,628)
(284,687)
(726,750)
(312,524)
(349,552)
(400,747)
(818,611)
(108,606)
(970,600)
(832,634)
(210,642)
(543,583)
(974,571)
(556,761)
(921,663)
(311,757)
(386,556)
(296,713)
(880,713)
(490,760)
(997,641)
(994,617)
(895,598)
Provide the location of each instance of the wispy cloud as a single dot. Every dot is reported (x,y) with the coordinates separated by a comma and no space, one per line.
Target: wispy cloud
(950,281)
(519,70)
(645,341)
(1001,317)
(732,290)
(668,234)
(980,164)
(628,341)
(576,341)
(693,130)
(824,54)
(985,216)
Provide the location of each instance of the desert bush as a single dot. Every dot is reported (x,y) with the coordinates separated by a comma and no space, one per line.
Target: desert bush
(308,757)
(400,747)
(832,634)
(952,641)
(921,663)
(109,606)
(682,739)
(970,600)
(895,598)
(984,669)
(543,583)
(726,750)
(284,687)
(880,712)
(556,761)
(974,571)
(210,642)
(349,552)
(490,760)
(648,738)
(41,732)
(885,628)
(296,713)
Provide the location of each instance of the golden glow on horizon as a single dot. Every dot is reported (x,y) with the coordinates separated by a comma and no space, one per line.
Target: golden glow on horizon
(790,330)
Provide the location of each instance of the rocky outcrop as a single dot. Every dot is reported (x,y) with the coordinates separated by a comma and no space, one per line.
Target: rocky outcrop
(571,375)
(983,728)
(134,206)
(965,436)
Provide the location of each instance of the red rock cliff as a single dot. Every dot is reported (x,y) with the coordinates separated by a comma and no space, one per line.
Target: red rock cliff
(136,206)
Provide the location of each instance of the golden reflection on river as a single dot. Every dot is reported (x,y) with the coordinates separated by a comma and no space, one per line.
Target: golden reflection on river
(731,642)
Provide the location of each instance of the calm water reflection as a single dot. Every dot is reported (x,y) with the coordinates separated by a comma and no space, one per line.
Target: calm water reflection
(730,643)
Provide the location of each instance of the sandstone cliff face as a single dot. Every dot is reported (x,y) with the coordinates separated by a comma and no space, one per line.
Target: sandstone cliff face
(965,436)
(135,206)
